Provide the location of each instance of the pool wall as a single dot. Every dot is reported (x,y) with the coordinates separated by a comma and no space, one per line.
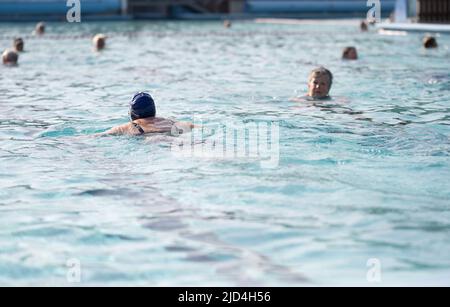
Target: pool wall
(314,6)
(55,9)
(113,9)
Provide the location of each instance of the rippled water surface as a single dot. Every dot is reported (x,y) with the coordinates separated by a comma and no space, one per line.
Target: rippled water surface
(365,175)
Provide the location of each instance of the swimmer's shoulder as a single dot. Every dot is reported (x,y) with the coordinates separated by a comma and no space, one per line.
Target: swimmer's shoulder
(124,129)
(169,124)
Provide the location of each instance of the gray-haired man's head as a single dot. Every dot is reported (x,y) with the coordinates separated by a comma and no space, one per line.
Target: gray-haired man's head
(319,82)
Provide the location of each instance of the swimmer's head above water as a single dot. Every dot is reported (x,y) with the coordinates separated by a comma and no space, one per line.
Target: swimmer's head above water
(363,26)
(40,28)
(18,44)
(350,53)
(319,83)
(142,106)
(10,57)
(429,42)
(99,41)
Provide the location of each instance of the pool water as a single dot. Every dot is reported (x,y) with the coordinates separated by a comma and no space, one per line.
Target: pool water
(361,179)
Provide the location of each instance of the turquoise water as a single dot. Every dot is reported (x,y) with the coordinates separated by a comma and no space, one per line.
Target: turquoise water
(365,175)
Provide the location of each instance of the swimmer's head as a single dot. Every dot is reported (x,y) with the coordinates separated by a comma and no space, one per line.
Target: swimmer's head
(18,44)
(350,53)
(40,28)
(227,24)
(142,106)
(429,42)
(99,41)
(319,82)
(363,26)
(10,57)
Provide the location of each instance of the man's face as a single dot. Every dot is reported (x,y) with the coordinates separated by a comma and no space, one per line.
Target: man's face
(19,46)
(319,86)
(100,44)
(351,54)
(40,29)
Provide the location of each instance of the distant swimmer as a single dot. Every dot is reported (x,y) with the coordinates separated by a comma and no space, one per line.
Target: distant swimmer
(350,53)
(39,29)
(363,26)
(227,24)
(144,120)
(429,42)
(18,44)
(99,41)
(10,57)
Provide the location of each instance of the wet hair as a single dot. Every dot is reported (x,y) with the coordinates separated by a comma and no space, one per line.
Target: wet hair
(363,26)
(18,42)
(40,28)
(99,41)
(320,71)
(429,42)
(10,57)
(346,52)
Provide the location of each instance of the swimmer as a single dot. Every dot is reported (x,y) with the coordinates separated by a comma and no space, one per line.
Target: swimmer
(350,53)
(319,83)
(18,44)
(10,57)
(363,26)
(99,41)
(144,120)
(40,29)
(227,24)
(429,42)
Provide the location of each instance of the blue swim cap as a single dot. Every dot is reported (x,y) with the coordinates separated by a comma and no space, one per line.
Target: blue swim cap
(142,106)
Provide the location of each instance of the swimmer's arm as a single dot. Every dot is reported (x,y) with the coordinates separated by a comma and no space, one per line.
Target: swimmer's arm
(116,131)
(186,125)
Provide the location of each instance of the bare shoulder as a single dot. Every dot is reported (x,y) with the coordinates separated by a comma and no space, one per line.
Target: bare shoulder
(119,130)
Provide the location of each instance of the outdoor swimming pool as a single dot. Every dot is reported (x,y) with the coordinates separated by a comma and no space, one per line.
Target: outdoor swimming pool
(364,176)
